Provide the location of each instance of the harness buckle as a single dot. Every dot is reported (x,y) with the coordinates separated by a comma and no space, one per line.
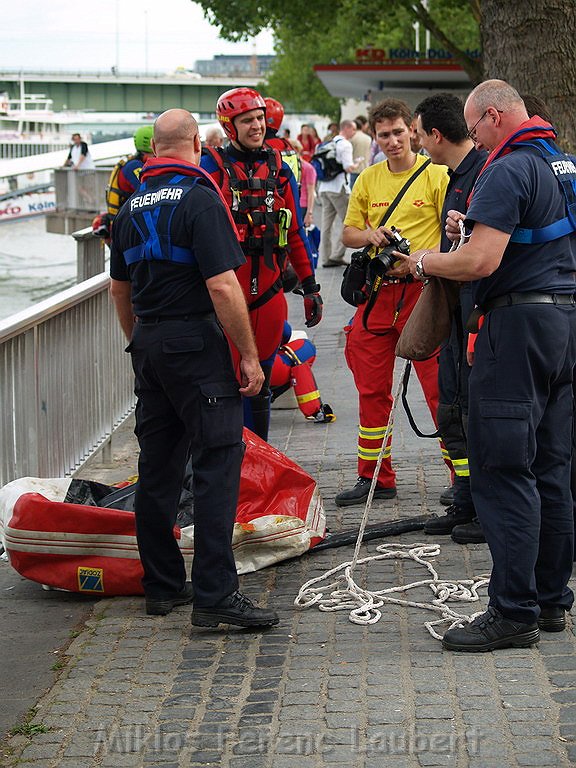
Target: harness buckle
(284,221)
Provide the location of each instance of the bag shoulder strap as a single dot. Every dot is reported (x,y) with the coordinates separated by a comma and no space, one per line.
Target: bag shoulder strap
(391,207)
(402,192)
(564,170)
(410,417)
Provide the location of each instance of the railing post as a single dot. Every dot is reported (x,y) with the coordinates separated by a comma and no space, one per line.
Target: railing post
(90,256)
(31,461)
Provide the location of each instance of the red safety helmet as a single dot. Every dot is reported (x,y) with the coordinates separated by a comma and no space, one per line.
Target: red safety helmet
(235,102)
(274,113)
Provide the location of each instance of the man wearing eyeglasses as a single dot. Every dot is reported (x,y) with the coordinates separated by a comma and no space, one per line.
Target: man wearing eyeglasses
(522,257)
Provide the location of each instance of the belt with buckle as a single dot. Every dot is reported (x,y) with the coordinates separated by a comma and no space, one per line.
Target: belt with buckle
(513,299)
(192,317)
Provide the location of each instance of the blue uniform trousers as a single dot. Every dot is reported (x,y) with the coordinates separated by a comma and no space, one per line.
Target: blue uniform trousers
(519,440)
(188,405)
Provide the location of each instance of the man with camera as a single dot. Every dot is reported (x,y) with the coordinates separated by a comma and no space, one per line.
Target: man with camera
(412,191)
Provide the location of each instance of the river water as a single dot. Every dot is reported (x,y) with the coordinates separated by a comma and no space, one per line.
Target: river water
(34,264)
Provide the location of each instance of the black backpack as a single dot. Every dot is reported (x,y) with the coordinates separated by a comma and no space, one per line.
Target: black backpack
(324,161)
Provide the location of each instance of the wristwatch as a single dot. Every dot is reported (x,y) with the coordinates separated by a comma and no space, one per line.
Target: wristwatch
(420,267)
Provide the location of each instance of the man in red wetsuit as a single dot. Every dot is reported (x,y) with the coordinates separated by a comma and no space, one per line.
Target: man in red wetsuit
(262,194)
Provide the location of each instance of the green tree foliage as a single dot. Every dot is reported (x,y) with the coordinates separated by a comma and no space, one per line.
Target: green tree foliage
(293,79)
(325,33)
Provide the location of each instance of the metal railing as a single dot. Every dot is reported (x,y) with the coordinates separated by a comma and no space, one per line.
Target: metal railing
(90,254)
(65,382)
(28,148)
(81,190)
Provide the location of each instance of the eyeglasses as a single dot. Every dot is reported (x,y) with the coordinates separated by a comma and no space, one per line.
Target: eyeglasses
(472,132)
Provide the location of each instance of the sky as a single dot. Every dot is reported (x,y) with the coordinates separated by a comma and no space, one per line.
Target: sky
(141,35)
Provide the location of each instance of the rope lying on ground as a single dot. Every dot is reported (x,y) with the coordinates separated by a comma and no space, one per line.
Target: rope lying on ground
(364,605)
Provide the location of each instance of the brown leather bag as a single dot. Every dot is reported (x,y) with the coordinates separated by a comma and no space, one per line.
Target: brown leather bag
(430,322)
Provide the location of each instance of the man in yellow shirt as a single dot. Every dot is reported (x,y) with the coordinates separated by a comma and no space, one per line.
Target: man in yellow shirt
(371,340)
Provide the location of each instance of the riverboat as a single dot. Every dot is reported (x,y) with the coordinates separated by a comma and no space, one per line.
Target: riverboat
(29,126)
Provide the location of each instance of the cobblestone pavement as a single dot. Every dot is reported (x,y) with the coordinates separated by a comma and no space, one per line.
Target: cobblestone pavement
(317,690)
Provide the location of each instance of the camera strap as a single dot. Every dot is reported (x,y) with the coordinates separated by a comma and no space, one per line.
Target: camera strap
(402,192)
(377,283)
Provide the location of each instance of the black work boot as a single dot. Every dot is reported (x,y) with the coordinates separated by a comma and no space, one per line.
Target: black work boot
(552,618)
(359,493)
(260,413)
(447,496)
(235,609)
(470,533)
(490,631)
(160,606)
(443,525)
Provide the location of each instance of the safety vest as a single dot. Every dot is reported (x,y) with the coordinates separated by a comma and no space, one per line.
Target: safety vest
(289,155)
(256,202)
(115,196)
(564,169)
(151,211)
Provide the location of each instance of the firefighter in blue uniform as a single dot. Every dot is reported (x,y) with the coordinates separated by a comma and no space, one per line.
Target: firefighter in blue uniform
(522,252)
(442,131)
(173,256)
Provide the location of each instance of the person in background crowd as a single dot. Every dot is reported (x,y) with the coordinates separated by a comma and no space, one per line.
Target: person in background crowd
(334,195)
(415,143)
(307,187)
(125,176)
(309,140)
(173,260)
(79,156)
(124,180)
(362,124)
(274,117)
(214,137)
(361,145)
(333,130)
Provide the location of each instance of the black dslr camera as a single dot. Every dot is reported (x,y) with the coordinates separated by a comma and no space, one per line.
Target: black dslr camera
(360,274)
(386,257)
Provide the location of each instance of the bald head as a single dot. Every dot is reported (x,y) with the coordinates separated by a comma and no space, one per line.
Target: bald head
(493,111)
(214,137)
(498,94)
(176,135)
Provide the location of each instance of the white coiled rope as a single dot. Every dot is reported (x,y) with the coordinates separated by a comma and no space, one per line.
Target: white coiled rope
(363,605)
